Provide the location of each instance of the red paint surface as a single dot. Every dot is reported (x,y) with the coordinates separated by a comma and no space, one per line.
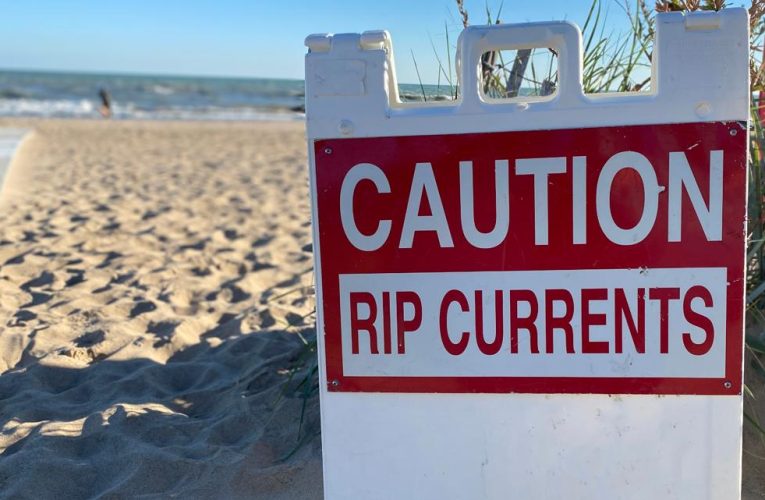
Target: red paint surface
(397,156)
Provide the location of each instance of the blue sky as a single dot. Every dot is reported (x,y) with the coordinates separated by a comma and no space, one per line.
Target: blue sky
(241,37)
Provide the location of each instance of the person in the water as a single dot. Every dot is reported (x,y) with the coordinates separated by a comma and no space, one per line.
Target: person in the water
(106,103)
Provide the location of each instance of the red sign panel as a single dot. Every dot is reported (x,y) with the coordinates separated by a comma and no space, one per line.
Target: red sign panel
(603,260)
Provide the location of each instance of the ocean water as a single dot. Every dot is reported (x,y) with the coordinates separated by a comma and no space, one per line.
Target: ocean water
(76,95)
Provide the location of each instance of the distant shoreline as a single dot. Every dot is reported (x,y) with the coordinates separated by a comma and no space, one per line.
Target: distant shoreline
(40,94)
(266,118)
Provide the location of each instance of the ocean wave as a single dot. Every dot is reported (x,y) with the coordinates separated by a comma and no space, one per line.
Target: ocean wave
(46,108)
(215,114)
(150,97)
(83,108)
(162,90)
(12,94)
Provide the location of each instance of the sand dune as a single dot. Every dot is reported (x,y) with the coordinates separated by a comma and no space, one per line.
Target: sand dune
(156,283)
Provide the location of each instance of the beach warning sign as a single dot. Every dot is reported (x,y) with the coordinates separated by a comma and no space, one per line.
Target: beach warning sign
(588,260)
(508,289)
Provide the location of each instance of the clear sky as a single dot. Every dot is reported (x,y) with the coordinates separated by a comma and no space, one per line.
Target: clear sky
(242,37)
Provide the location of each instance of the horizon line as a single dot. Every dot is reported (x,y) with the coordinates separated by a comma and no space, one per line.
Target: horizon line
(140,73)
(169,75)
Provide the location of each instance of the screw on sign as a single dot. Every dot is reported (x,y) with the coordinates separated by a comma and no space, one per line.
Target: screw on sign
(504,288)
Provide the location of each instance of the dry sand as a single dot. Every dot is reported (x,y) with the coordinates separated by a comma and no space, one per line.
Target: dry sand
(145,347)
(146,344)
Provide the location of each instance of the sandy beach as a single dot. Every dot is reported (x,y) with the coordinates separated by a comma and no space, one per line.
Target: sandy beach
(157,315)
(157,308)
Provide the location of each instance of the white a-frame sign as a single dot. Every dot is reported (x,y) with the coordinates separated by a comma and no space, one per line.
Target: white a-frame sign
(537,297)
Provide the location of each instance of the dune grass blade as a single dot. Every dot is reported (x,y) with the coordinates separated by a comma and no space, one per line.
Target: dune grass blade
(419,79)
(449,60)
(441,70)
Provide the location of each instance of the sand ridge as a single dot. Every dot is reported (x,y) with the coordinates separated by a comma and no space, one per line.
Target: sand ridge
(156,281)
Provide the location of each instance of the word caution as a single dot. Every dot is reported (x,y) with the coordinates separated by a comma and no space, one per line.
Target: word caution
(423,188)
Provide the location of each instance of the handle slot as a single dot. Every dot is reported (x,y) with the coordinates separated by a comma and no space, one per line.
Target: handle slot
(525,74)
(562,37)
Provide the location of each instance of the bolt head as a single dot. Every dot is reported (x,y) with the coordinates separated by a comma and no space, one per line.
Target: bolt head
(345,127)
(703,109)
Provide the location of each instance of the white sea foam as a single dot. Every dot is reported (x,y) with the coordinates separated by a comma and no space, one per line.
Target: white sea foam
(162,90)
(60,108)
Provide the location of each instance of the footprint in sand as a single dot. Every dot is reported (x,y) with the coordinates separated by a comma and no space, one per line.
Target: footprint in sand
(163,330)
(38,298)
(89,339)
(45,278)
(141,307)
(21,317)
(77,277)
